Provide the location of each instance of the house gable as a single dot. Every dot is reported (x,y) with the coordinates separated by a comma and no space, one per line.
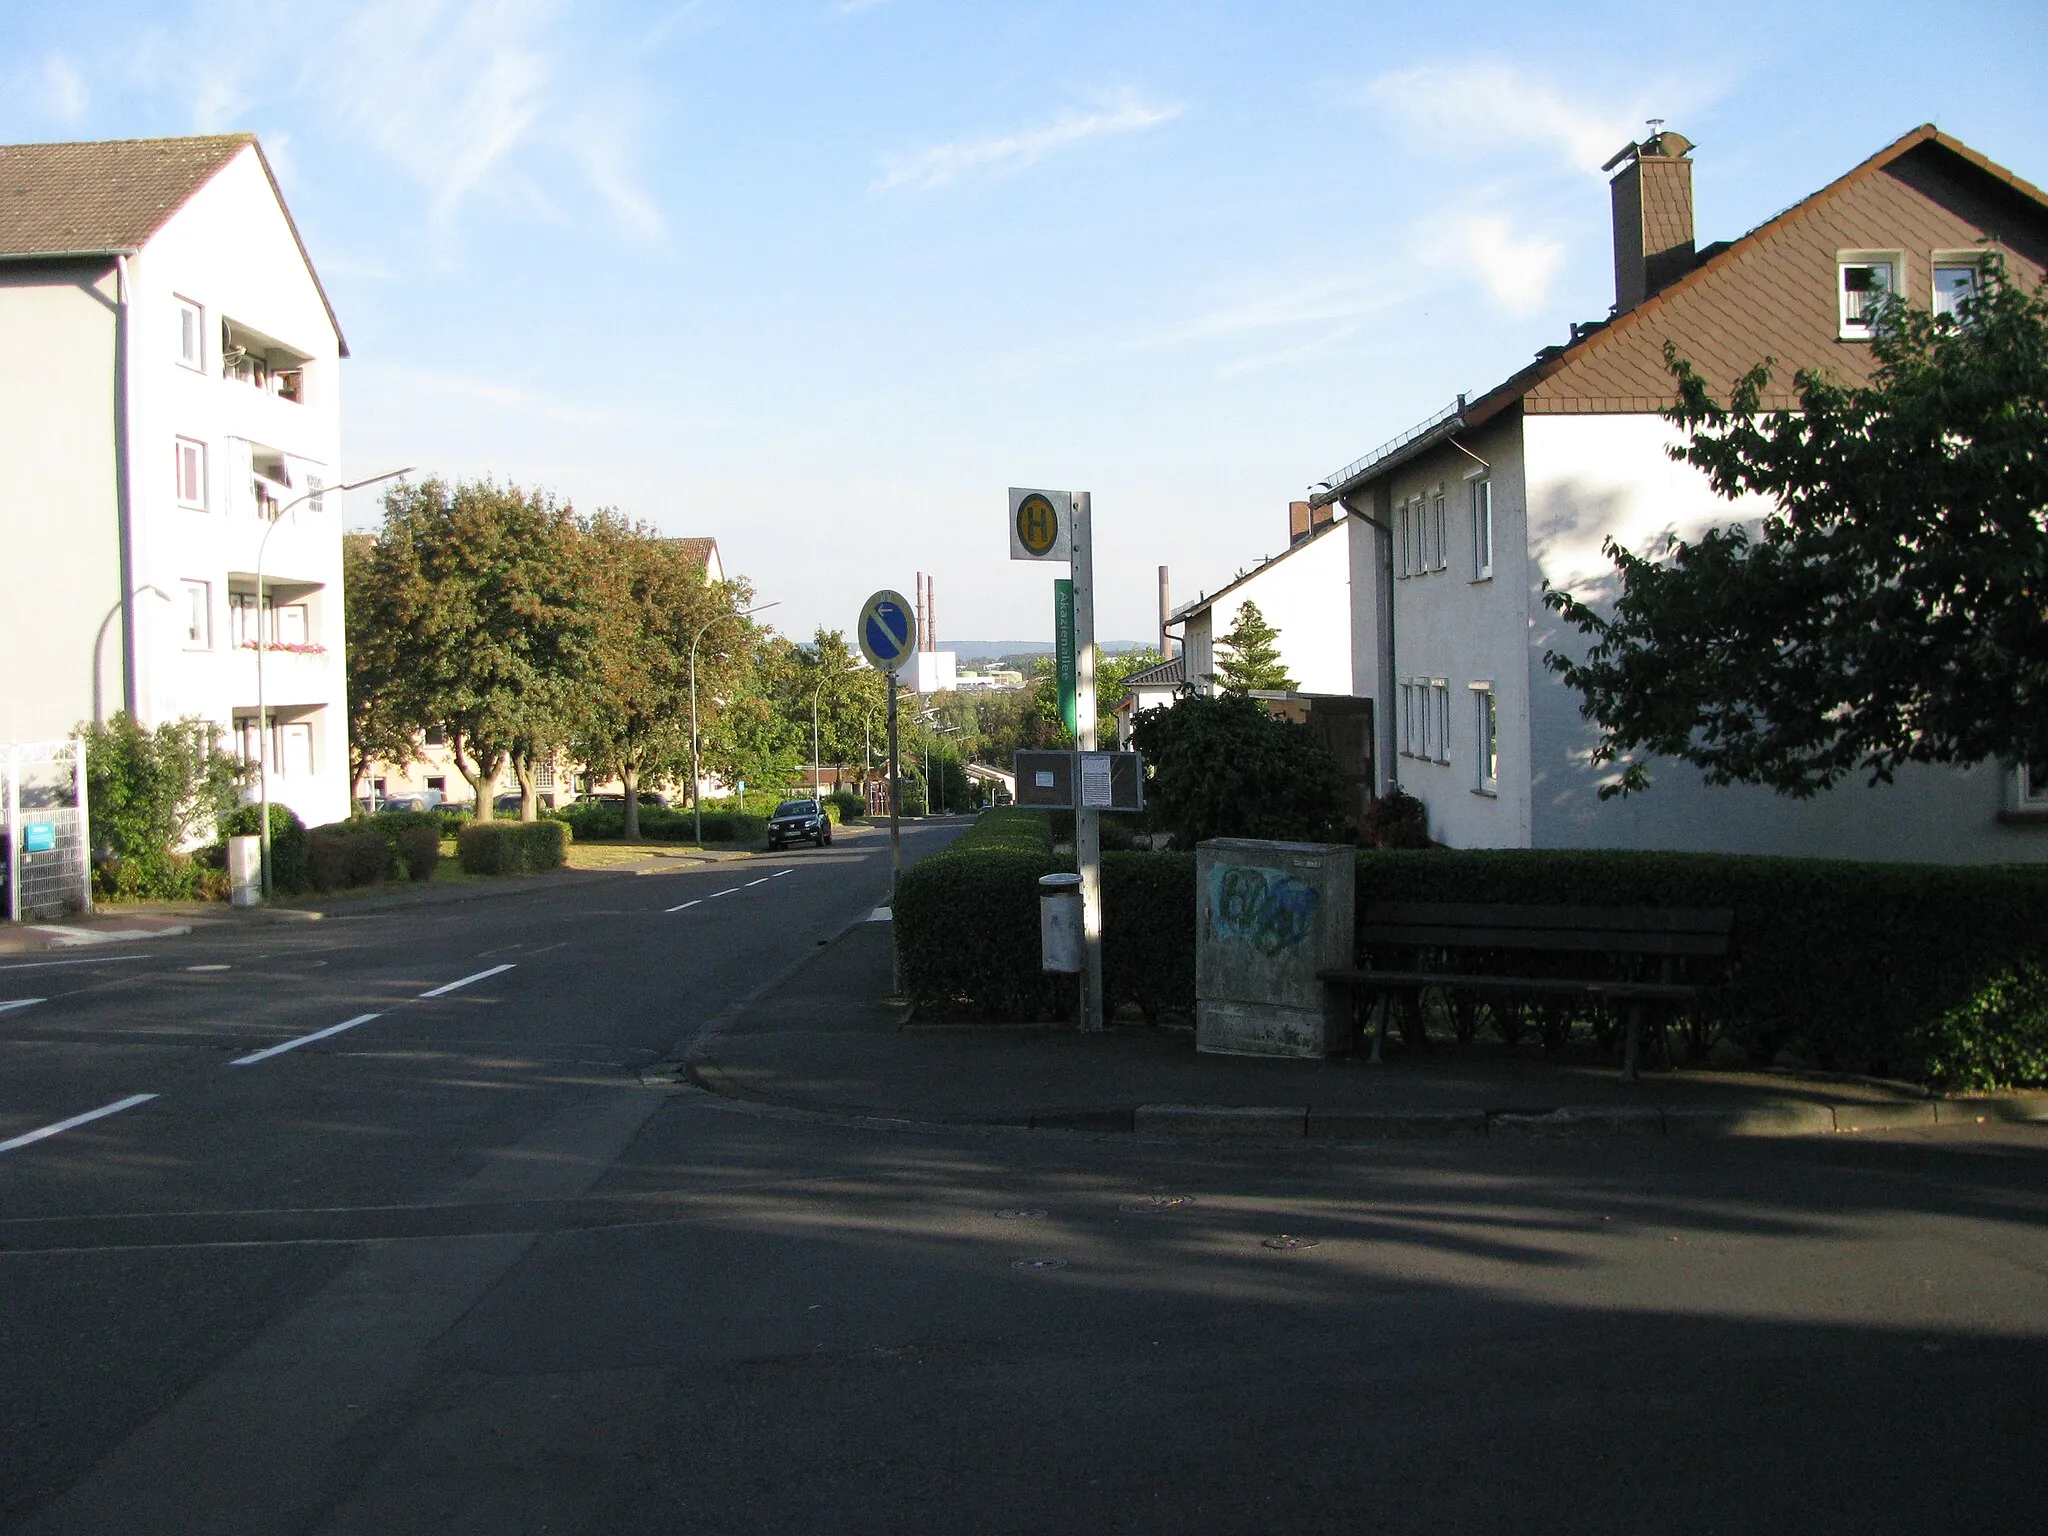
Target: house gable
(1772,293)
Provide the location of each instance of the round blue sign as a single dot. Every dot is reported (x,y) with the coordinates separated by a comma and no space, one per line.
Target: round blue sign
(887,631)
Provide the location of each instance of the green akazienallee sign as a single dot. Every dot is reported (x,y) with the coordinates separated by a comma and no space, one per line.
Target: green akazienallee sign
(1063,649)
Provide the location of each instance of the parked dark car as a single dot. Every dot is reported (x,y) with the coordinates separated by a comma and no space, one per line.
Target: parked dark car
(797,821)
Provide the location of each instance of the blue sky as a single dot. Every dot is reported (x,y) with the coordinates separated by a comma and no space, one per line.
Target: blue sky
(822,277)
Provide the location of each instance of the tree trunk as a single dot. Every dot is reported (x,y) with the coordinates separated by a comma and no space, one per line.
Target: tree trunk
(482,779)
(630,777)
(529,797)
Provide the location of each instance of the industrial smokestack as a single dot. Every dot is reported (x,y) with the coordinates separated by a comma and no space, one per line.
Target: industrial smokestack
(931,613)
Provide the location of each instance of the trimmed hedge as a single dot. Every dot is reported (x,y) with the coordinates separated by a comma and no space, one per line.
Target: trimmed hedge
(419,851)
(1932,972)
(341,856)
(512,847)
(593,821)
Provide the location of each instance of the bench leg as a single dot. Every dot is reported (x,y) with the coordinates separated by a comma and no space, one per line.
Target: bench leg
(1631,1050)
(1379,1028)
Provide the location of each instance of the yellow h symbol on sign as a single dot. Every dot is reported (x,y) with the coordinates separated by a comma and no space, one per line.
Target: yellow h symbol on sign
(1038,525)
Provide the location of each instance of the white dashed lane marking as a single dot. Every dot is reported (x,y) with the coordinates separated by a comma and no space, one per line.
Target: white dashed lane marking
(443,991)
(292,1045)
(43,1133)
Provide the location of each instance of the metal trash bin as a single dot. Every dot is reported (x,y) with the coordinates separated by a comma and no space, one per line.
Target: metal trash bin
(1059,924)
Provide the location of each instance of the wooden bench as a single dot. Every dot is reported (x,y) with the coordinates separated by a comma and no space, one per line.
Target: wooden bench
(1438,934)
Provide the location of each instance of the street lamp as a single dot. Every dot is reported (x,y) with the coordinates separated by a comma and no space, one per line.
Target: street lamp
(262,710)
(696,769)
(100,640)
(817,773)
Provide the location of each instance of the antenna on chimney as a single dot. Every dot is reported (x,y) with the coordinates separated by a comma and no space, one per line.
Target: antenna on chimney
(1656,125)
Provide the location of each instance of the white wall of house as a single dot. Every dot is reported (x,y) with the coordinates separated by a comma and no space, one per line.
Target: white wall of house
(1594,476)
(57,497)
(1305,594)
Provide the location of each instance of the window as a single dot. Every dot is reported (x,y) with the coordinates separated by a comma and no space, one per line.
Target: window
(191,334)
(436,736)
(1953,283)
(1864,279)
(1482,529)
(243,628)
(437,785)
(1486,739)
(295,750)
(1408,732)
(1436,531)
(2033,787)
(316,500)
(1403,537)
(288,624)
(1439,723)
(191,474)
(198,616)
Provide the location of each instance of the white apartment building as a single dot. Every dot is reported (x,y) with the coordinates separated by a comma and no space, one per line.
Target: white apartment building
(1460,522)
(170,384)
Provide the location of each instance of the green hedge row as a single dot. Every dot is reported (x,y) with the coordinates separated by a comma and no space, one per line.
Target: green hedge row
(512,847)
(1936,973)
(592,821)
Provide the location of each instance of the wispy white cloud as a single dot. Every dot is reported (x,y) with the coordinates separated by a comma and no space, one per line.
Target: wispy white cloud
(53,88)
(944,163)
(1515,270)
(1467,109)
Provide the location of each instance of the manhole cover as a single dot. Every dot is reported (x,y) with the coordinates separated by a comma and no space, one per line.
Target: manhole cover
(1153,1205)
(1020,1213)
(1288,1244)
(1038,1264)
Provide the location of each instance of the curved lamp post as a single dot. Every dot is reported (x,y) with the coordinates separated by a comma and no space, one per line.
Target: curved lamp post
(262,711)
(696,768)
(100,640)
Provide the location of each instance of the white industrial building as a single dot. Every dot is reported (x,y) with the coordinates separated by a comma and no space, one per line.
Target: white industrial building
(170,384)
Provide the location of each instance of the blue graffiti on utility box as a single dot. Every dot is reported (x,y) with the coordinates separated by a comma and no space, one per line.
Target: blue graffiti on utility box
(1269,909)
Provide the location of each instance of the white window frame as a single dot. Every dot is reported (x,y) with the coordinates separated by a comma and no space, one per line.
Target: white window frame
(1407,720)
(1859,330)
(1440,719)
(2030,790)
(1953,261)
(190,450)
(1438,529)
(296,616)
(1481,494)
(1485,738)
(199,606)
(191,335)
(1401,541)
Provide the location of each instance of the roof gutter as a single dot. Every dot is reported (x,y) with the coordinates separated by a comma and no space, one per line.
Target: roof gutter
(98,253)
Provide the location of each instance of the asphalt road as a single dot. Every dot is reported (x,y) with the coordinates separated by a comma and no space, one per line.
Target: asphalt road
(457,1268)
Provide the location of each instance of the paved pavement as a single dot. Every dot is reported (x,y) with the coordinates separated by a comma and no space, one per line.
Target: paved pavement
(832,1039)
(406,1240)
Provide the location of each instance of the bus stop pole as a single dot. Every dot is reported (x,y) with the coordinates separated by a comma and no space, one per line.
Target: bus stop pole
(1087,821)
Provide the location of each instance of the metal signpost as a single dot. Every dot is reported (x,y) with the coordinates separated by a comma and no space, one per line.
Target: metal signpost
(1054,525)
(888,634)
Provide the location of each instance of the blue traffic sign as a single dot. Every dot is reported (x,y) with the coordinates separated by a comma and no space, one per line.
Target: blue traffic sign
(887,631)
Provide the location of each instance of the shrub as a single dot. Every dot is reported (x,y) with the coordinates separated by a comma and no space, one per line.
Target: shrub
(1224,767)
(290,870)
(846,805)
(150,794)
(512,847)
(1396,820)
(731,827)
(1998,1038)
(419,851)
(345,855)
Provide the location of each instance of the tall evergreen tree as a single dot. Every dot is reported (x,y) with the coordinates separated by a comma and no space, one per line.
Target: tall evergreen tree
(1253,659)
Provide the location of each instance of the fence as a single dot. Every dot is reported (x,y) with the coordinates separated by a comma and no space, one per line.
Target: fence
(48,849)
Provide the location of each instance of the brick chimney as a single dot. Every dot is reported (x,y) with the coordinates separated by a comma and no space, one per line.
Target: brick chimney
(1297,521)
(1653,237)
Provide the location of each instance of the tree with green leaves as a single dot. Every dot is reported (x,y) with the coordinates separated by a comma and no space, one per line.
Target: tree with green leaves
(1224,767)
(492,614)
(379,728)
(1253,655)
(1893,606)
(651,598)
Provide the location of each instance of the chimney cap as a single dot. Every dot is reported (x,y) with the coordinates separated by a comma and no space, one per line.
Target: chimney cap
(1662,144)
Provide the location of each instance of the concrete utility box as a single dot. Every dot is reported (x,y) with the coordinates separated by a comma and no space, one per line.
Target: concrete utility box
(1059,924)
(1268,916)
(245,871)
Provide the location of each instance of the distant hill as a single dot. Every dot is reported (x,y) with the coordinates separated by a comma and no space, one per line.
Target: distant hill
(989,650)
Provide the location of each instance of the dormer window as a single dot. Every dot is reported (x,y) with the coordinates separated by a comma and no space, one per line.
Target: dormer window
(1863,281)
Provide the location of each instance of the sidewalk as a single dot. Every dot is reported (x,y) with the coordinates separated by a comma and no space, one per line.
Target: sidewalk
(829,1039)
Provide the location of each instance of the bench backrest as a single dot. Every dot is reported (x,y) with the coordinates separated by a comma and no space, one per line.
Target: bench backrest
(1606,930)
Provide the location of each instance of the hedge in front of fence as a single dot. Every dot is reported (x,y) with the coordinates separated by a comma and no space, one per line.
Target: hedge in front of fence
(1932,972)
(512,847)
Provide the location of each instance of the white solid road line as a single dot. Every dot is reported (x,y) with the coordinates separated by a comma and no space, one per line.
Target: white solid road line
(292,1045)
(479,976)
(42,965)
(686,905)
(19,1002)
(64,1125)
(728,891)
